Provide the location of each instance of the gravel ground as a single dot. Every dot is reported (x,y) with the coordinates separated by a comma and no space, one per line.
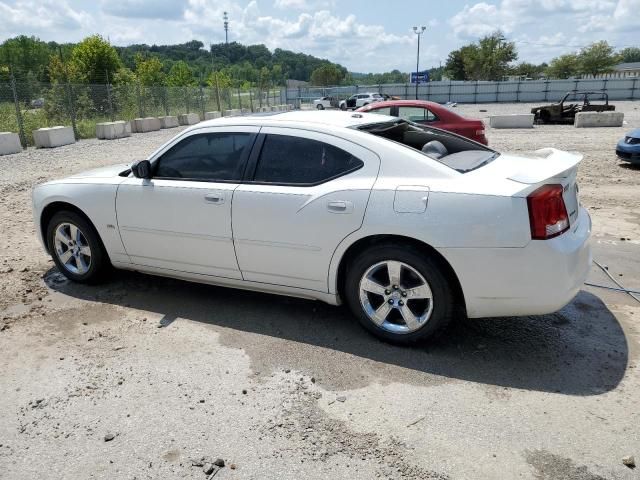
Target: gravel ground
(180,374)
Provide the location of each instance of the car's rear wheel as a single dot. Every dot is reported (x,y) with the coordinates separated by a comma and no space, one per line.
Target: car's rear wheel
(76,248)
(398,293)
(320,106)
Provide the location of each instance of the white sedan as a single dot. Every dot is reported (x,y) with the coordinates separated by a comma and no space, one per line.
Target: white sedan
(407,225)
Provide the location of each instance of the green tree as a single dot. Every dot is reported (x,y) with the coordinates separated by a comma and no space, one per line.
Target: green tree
(327,75)
(94,58)
(488,59)
(454,67)
(564,66)
(149,71)
(26,55)
(529,70)
(599,57)
(630,54)
(219,80)
(180,75)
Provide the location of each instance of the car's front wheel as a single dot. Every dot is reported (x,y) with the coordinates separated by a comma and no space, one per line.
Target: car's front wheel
(76,248)
(398,293)
(320,106)
(343,106)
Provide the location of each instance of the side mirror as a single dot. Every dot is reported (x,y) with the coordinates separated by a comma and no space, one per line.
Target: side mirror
(141,169)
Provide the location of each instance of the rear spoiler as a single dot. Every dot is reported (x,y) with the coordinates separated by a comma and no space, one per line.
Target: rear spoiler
(544,164)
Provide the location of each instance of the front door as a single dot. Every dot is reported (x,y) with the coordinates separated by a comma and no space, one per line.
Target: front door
(180,219)
(309,191)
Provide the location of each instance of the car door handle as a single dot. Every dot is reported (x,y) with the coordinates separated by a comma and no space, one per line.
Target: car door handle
(340,206)
(215,198)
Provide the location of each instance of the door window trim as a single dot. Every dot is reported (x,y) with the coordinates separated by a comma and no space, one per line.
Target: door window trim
(244,159)
(256,153)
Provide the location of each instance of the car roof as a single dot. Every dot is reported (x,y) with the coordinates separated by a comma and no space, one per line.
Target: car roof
(322,118)
(404,103)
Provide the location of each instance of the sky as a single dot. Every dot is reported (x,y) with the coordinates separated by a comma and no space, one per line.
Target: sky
(364,36)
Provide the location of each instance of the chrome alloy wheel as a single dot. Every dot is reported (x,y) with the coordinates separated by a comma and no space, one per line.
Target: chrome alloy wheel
(396,297)
(72,248)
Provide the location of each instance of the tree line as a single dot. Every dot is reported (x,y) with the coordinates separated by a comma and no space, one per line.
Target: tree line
(493,57)
(95,61)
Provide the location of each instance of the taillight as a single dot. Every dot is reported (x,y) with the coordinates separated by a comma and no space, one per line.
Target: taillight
(547,213)
(479,133)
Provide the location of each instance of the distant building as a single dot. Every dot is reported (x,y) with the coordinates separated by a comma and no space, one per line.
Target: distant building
(296,83)
(622,70)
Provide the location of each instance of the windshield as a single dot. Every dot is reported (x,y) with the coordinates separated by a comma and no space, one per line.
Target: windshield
(452,150)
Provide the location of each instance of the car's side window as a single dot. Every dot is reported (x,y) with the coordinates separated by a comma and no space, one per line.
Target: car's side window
(382,111)
(206,156)
(290,160)
(416,114)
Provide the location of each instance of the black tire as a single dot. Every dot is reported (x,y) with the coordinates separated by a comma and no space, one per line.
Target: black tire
(99,264)
(343,107)
(442,294)
(320,106)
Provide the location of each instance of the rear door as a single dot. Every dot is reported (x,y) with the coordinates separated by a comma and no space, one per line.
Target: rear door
(309,191)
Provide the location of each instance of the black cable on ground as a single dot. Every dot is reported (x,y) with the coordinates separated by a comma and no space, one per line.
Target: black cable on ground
(621,288)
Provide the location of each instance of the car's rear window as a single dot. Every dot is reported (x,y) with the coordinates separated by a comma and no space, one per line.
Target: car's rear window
(452,150)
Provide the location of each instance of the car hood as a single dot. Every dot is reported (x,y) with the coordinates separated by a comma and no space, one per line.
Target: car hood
(102,172)
(635,133)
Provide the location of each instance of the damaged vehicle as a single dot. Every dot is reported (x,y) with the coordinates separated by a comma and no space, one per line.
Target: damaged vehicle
(573,102)
(408,225)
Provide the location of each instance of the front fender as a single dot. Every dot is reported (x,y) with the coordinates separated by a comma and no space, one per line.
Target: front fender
(95,201)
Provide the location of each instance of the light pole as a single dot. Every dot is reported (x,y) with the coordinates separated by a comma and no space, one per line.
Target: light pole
(419,32)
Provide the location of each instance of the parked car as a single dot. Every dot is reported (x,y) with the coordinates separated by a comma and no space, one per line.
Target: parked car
(360,100)
(628,149)
(432,114)
(325,102)
(407,225)
(565,112)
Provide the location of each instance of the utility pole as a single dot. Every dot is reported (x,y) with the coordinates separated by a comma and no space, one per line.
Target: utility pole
(226,28)
(419,32)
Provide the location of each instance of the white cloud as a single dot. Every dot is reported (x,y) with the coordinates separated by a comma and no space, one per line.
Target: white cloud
(321,33)
(40,17)
(155,9)
(546,28)
(304,4)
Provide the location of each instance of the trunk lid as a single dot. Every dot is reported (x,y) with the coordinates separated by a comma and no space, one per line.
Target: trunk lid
(548,166)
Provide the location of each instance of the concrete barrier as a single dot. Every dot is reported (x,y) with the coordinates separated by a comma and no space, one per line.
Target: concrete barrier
(516,120)
(188,118)
(148,124)
(234,112)
(598,119)
(113,130)
(245,111)
(169,121)
(53,137)
(9,143)
(290,107)
(212,115)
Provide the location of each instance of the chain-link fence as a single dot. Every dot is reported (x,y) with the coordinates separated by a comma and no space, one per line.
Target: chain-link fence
(27,106)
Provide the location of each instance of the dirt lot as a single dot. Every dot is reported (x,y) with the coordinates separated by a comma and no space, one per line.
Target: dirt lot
(283,388)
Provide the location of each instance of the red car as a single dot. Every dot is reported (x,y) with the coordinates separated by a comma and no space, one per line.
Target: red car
(431,114)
